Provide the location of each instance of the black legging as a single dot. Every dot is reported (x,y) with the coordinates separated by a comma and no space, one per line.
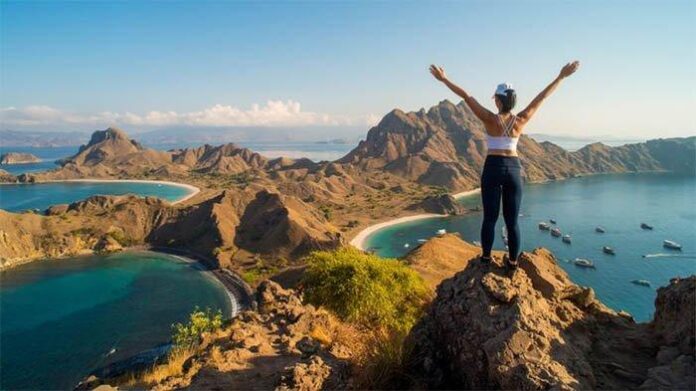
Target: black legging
(501,178)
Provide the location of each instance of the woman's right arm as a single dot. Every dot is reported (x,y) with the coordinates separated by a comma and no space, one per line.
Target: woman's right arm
(481,112)
(527,114)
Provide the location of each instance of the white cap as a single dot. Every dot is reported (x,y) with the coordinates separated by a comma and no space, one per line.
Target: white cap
(502,87)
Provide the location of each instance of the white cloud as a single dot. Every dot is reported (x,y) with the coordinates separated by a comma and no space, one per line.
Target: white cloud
(273,113)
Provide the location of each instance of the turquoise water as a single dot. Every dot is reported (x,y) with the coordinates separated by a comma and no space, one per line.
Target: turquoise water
(619,203)
(16,197)
(60,318)
(48,156)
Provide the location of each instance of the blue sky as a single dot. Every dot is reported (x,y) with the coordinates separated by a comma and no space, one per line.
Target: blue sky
(149,65)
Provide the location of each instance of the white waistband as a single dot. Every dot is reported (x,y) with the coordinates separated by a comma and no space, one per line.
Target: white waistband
(506,143)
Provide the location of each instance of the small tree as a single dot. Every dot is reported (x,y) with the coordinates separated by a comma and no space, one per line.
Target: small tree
(188,335)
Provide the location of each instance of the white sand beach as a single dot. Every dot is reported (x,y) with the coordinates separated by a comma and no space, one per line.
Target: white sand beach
(359,241)
(467,193)
(193,190)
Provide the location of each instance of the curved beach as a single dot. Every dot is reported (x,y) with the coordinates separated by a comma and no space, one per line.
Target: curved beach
(360,240)
(193,190)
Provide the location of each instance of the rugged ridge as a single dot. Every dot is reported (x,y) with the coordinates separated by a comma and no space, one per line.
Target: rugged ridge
(535,329)
(445,146)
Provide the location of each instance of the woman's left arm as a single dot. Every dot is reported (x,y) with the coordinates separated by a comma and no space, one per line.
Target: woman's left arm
(481,112)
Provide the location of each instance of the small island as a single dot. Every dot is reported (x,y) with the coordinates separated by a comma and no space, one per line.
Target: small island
(18,158)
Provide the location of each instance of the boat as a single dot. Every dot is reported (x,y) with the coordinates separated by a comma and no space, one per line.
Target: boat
(608,250)
(477,243)
(586,263)
(671,245)
(556,232)
(646,226)
(422,240)
(641,282)
(441,232)
(566,239)
(553,221)
(407,245)
(544,226)
(600,229)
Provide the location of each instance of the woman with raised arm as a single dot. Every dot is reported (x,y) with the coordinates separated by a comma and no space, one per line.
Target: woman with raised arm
(501,177)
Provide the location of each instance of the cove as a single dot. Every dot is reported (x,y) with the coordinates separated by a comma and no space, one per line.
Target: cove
(62,319)
(619,203)
(16,197)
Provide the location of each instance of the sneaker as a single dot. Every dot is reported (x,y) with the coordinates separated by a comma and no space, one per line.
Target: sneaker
(484,260)
(510,264)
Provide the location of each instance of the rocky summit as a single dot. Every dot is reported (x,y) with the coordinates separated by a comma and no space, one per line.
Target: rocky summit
(533,329)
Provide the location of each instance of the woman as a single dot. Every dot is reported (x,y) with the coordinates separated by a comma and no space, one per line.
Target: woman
(501,177)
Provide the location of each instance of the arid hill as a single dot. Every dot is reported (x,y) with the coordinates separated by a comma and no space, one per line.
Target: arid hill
(534,329)
(445,146)
(227,229)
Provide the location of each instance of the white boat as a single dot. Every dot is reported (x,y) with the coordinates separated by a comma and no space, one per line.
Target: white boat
(608,250)
(407,245)
(441,232)
(477,243)
(586,263)
(544,226)
(504,235)
(671,245)
(641,282)
(553,221)
(556,232)
(566,239)
(600,229)
(422,240)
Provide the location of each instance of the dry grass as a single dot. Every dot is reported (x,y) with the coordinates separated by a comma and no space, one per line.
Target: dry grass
(319,333)
(174,366)
(382,364)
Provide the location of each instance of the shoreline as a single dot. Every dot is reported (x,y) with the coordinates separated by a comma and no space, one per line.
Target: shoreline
(359,241)
(193,190)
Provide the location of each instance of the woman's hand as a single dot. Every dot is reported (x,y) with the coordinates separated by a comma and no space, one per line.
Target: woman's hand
(438,73)
(569,68)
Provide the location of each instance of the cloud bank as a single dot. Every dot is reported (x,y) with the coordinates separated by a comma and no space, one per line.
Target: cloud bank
(274,113)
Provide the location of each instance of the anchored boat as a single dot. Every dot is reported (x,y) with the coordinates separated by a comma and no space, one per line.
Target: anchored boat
(556,232)
(566,239)
(441,232)
(600,229)
(544,226)
(641,282)
(646,226)
(584,263)
(671,245)
(553,221)
(608,250)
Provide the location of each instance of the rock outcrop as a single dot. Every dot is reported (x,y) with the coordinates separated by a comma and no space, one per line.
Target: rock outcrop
(489,328)
(285,346)
(18,158)
(6,177)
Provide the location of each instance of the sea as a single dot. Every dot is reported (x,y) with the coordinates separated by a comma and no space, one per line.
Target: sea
(64,318)
(619,203)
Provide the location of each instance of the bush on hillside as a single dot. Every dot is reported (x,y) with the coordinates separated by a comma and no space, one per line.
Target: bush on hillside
(364,288)
(187,336)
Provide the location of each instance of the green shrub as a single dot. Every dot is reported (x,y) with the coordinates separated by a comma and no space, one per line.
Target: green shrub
(366,289)
(187,336)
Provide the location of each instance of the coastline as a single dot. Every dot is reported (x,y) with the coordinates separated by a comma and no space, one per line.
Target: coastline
(193,190)
(359,241)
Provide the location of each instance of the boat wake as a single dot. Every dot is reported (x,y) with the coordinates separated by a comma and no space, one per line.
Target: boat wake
(666,255)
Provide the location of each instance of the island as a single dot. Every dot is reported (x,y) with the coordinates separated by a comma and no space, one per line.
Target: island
(18,158)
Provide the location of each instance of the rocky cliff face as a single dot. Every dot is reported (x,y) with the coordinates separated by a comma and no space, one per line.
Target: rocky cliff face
(6,177)
(445,146)
(534,329)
